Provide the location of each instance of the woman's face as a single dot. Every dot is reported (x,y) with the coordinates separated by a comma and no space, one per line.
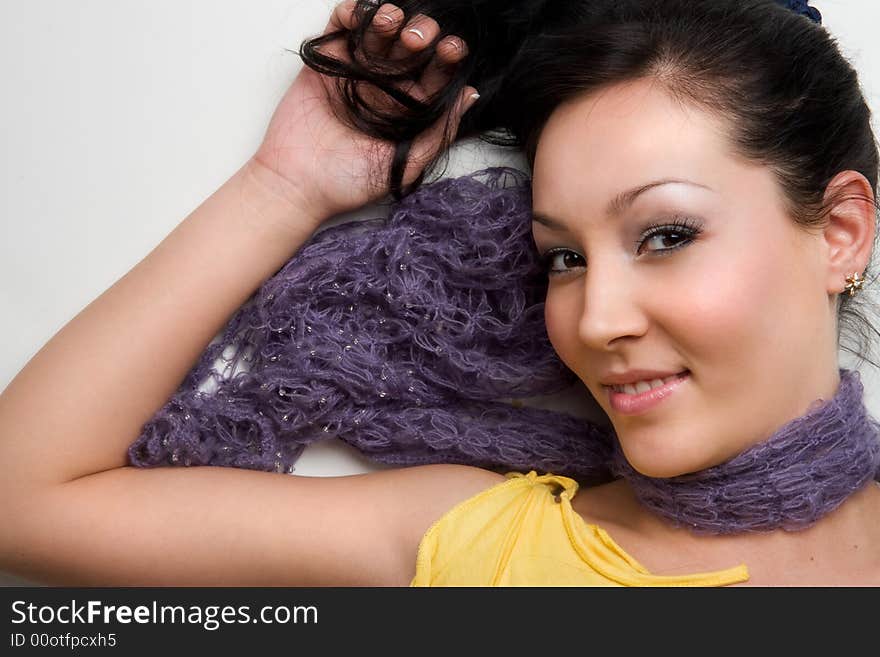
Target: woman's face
(677,259)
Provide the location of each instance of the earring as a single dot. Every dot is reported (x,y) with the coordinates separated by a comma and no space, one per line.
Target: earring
(854,283)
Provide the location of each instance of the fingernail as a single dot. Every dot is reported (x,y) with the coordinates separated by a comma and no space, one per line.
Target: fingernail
(457,45)
(470,101)
(417,32)
(385,18)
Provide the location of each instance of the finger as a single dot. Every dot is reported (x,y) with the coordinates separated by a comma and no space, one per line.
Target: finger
(417,34)
(449,52)
(452,49)
(379,35)
(342,17)
(426,146)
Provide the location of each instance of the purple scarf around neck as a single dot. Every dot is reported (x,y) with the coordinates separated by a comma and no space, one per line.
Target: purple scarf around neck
(808,468)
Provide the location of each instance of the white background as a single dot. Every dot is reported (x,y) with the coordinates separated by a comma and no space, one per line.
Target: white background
(119,117)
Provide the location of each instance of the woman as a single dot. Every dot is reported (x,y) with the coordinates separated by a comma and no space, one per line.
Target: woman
(700,224)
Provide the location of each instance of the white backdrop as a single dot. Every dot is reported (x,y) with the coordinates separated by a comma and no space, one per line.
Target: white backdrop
(119,117)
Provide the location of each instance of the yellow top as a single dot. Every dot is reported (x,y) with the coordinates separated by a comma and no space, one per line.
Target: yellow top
(524,532)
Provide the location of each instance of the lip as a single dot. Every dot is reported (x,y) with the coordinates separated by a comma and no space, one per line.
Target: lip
(634,376)
(642,402)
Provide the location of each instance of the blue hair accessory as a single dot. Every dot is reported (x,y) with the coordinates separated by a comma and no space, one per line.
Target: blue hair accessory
(803,8)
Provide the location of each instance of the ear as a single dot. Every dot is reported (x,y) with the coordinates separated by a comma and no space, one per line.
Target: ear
(849,235)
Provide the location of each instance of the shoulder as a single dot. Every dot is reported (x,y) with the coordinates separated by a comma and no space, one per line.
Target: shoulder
(420,495)
(436,489)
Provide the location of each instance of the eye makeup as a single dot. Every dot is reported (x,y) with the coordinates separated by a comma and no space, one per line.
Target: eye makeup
(680,229)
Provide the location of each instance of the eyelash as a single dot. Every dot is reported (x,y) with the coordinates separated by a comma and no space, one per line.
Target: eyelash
(687,228)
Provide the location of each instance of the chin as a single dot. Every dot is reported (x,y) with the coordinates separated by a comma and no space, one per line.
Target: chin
(659,470)
(665,462)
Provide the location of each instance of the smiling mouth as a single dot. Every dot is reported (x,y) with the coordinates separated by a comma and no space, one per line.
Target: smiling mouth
(635,399)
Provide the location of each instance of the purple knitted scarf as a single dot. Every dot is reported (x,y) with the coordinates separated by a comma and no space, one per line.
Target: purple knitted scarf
(804,471)
(407,338)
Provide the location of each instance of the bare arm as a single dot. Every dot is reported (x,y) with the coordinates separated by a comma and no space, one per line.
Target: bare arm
(76,514)
(210,526)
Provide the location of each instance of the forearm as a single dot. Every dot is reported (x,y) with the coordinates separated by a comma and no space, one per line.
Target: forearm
(83,398)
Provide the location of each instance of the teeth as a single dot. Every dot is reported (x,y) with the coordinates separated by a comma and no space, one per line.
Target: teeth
(643,386)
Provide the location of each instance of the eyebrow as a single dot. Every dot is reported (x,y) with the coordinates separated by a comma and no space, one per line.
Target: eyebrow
(618,204)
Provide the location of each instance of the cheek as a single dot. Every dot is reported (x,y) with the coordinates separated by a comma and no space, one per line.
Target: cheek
(736,306)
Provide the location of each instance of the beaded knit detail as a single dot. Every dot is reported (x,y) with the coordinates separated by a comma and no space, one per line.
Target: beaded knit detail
(406,338)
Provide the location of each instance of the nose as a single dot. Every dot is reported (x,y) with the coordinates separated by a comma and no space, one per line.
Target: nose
(613,306)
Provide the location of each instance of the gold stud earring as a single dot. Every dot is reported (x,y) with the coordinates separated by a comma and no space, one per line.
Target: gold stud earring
(854,283)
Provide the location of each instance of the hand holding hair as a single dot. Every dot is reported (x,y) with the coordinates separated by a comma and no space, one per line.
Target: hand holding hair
(330,166)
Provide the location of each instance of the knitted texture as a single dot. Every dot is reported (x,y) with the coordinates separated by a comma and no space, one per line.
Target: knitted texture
(804,471)
(803,8)
(403,337)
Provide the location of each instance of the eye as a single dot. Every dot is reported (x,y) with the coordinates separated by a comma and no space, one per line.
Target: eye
(665,238)
(657,239)
(567,258)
